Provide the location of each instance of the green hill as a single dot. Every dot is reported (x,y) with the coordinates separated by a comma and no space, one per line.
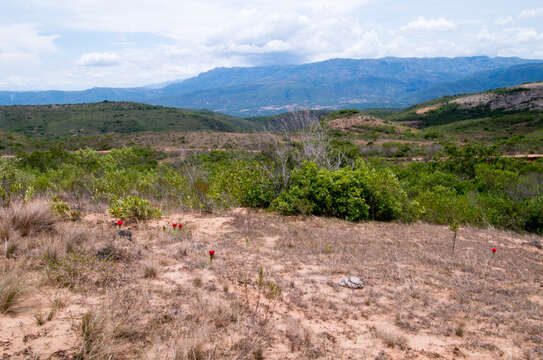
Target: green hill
(525,98)
(511,118)
(48,121)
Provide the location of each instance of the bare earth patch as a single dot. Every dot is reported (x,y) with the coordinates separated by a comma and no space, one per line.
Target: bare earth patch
(271,292)
(426,109)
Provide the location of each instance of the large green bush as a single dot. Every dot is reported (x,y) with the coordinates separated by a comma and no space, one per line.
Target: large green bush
(243,182)
(354,194)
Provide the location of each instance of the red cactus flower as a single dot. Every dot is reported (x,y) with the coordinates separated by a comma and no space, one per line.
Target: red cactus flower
(174,225)
(180,225)
(211,254)
(119,223)
(494,250)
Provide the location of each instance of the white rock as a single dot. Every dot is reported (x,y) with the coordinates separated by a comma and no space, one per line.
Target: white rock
(351,282)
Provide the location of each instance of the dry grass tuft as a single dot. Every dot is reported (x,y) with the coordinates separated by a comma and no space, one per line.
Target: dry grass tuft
(149,272)
(10,249)
(12,291)
(27,219)
(391,339)
(6,230)
(299,336)
(91,331)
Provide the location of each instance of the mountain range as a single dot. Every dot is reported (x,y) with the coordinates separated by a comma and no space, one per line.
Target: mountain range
(332,84)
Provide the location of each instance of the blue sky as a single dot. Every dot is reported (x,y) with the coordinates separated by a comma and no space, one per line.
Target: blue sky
(77,44)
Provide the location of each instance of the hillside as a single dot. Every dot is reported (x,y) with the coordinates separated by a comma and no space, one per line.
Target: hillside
(511,118)
(521,98)
(111,117)
(485,80)
(332,84)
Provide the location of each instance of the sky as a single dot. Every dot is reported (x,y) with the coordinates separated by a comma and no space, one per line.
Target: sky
(79,44)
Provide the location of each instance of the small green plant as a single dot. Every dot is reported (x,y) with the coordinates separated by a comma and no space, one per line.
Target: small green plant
(39,319)
(273,291)
(28,194)
(64,210)
(453,225)
(260,276)
(134,208)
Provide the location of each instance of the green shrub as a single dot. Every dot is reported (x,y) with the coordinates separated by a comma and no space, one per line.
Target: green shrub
(14,183)
(490,179)
(64,210)
(353,194)
(534,217)
(444,205)
(242,183)
(387,199)
(134,208)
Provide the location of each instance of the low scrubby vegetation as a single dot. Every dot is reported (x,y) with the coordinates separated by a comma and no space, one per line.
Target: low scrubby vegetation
(468,185)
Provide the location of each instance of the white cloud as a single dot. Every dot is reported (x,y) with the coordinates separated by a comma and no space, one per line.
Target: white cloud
(164,40)
(504,20)
(423,24)
(531,14)
(99,59)
(526,35)
(24,43)
(511,38)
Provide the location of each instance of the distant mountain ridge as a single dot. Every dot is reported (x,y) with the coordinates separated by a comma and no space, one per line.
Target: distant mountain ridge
(332,84)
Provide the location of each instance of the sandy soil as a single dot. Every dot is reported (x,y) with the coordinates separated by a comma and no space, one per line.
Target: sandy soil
(357,120)
(276,279)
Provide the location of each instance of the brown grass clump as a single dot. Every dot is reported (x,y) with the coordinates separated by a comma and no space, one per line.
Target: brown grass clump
(12,291)
(27,219)
(391,339)
(91,331)
(149,272)
(105,331)
(6,230)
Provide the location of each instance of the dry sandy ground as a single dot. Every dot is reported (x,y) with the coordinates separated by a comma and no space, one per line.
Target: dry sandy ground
(350,123)
(271,292)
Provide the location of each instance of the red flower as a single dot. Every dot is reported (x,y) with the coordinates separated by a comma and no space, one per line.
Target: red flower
(120,223)
(180,226)
(211,254)
(494,250)
(174,225)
